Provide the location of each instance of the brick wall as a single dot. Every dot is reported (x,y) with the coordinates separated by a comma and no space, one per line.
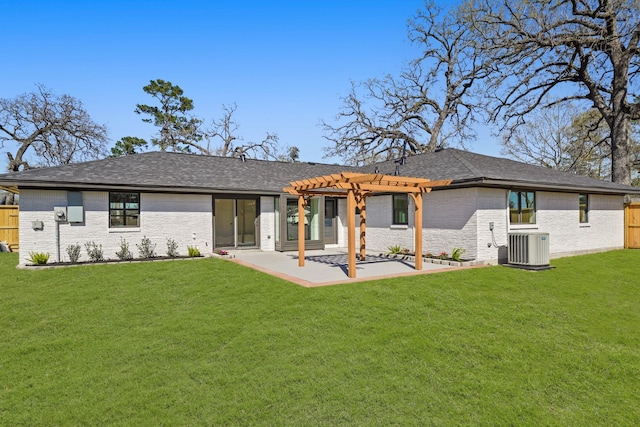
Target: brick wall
(558,215)
(452,218)
(267,224)
(185,218)
(461,217)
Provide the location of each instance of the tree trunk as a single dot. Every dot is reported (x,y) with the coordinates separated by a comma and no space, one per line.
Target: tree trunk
(620,153)
(620,123)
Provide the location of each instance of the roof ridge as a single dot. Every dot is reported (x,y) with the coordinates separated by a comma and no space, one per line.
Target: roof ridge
(467,164)
(248,158)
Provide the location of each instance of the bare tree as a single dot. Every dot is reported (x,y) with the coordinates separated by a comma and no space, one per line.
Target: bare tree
(224,129)
(55,128)
(427,106)
(560,137)
(231,145)
(585,50)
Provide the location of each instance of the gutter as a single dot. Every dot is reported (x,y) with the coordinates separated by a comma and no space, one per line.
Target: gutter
(144,188)
(527,185)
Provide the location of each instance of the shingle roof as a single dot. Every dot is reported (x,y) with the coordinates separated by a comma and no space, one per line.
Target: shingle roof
(470,169)
(174,171)
(195,173)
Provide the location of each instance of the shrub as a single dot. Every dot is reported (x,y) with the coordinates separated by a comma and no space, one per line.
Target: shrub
(456,253)
(443,255)
(146,248)
(220,252)
(73,251)
(39,258)
(193,251)
(124,253)
(394,250)
(94,251)
(172,248)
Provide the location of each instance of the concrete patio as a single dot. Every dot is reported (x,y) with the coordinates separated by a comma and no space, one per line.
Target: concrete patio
(329,266)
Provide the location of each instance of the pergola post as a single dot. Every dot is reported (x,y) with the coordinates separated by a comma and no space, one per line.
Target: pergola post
(363,229)
(351,234)
(417,221)
(301,231)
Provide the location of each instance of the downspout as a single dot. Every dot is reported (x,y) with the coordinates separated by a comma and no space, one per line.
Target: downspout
(58,241)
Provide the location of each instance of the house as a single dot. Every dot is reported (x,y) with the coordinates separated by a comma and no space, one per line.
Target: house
(216,202)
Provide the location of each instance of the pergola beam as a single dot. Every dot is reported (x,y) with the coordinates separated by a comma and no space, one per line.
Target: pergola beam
(10,189)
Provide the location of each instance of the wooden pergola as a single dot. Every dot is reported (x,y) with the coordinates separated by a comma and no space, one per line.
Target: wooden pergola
(11,189)
(356,187)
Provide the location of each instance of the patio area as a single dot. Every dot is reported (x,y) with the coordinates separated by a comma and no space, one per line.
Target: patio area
(329,266)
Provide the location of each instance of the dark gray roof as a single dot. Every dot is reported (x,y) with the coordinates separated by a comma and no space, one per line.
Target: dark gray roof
(470,169)
(195,173)
(174,172)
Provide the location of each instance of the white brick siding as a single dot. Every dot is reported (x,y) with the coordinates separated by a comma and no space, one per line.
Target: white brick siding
(557,214)
(267,224)
(342,222)
(461,217)
(380,232)
(449,221)
(452,218)
(185,218)
(492,207)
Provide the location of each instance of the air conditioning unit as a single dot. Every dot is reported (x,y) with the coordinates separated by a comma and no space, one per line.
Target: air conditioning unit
(528,249)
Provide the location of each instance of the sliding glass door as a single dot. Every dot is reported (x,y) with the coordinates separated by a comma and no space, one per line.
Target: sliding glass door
(246,214)
(235,222)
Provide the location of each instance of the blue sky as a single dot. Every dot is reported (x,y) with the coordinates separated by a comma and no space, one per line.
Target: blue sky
(284,63)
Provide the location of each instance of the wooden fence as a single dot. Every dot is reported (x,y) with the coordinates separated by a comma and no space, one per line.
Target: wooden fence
(9,226)
(632,226)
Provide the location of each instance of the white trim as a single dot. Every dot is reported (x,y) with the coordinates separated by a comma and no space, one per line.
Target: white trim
(124,229)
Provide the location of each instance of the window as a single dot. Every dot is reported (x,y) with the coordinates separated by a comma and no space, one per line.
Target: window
(75,209)
(311,220)
(400,209)
(522,207)
(583,200)
(124,209)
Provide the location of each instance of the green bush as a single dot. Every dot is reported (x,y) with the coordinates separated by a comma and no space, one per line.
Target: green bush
(172,248)
(124,253)
(73,251)
(94,251)
(39,258)
(193,251)
(394,250)
(456,254)
(146,248)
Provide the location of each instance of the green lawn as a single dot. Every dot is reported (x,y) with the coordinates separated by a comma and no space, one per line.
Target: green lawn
(208,342)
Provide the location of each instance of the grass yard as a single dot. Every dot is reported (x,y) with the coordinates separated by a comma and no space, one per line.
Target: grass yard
(208,342)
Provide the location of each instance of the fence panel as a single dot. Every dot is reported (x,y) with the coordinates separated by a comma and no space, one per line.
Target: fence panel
(632,226)
(9,226)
